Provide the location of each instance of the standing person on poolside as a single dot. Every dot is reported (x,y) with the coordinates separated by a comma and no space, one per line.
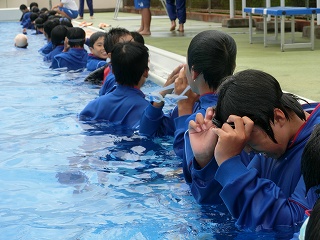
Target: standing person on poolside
(144,5)
(177,9)
(81,8)
(67,8)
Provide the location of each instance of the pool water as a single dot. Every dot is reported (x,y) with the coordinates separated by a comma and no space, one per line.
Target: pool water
(63,179)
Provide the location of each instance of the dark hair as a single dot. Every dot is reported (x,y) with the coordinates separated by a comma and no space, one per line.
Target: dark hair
(76,37)
(310,160)
(113,37)
(137,37)
(212,53)
(65,21)
(33,16)
(48,26)
(44,10)
(255,94)
(39,22)
(51,13)
(313,226)
(129,61)
(95,36)
(58,35)
(23,7)
(33,4)
(35,10)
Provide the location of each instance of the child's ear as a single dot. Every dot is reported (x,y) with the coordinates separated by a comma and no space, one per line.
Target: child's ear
(91,49)
(194,74)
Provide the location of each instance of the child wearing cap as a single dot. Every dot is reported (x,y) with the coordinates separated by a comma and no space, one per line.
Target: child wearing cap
(21,41)
(75,58)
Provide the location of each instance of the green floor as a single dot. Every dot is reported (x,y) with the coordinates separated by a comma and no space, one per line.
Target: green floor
(297,70)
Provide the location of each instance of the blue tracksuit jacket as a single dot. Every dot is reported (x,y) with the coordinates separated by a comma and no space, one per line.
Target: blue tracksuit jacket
(122,106)
(47,48)
(265,192)
(94,62)
(155,123)
(74,59)
(48,57)
(108,84)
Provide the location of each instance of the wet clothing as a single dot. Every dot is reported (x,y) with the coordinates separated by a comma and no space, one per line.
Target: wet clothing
(155,123)
(177,9)
(94,62)
(262,194)
(74,59)
(122,106)
(47,48)
(26,21)
(48,57)
(108,84)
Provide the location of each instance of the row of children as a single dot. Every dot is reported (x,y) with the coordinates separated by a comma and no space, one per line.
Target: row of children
(244,153)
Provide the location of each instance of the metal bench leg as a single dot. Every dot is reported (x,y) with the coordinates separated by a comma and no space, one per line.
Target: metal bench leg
(116,10)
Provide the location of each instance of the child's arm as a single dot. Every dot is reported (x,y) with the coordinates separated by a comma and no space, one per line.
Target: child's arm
(57,6)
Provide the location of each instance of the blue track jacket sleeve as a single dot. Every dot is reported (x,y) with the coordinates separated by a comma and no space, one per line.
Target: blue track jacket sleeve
(154,123)
(258,202)
(181,126)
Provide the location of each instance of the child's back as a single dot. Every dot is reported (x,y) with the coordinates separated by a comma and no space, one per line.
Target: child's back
(76,57)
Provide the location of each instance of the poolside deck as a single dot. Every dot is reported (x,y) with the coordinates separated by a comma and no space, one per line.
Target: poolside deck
(297,70)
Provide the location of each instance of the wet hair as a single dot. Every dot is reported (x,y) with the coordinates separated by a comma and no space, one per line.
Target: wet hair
(95,36)
(58,35)
(212,53)
(76,37)
(113,37)
(51,13)
(23,7)
(312,230)
(137,37)
(65,21)
(255,94)
(129,61)
(35,10)
(310,160)
(44,10)
(39,22)
(33,16)
(48,26)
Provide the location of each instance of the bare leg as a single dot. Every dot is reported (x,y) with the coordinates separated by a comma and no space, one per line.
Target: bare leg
(181,28)
(146,19)
(141,25)
(173,26)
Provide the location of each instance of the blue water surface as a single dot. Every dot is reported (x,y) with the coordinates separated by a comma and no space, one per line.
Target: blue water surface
(63,179)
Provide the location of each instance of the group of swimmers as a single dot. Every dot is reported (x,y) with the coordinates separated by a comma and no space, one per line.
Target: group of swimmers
(256,151)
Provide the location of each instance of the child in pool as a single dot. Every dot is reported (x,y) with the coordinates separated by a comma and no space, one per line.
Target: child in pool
(67,8)
(21,41)
(97,57)
(124,105)
(58,35)
(310,168)
(75,58)
(47,29)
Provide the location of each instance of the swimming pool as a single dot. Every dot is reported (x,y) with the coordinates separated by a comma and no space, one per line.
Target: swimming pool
(61,179)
